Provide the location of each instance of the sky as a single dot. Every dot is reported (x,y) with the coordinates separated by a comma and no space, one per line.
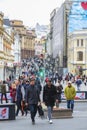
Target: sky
(29,11)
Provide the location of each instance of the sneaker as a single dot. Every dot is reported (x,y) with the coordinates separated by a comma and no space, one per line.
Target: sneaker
(50,121)
(42,117)
(33,122)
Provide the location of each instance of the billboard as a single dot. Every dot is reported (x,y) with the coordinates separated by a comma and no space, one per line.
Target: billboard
(79,96)
(78,14)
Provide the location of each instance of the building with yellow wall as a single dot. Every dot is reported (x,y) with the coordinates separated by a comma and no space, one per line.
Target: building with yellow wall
(29,49)
(27,38)
(6,55)
(1,46)
(77,52)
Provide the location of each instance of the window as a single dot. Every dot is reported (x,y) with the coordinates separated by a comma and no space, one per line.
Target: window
(79,56)
(77,42)
(81,42)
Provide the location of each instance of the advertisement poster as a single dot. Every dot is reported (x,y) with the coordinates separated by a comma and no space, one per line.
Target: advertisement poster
(78,96)
(4,113)
(78,14)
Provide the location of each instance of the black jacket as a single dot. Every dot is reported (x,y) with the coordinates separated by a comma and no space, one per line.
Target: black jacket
(49,95)
(32,95)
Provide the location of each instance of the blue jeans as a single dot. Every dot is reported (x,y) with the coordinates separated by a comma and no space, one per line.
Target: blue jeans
(70,104)
(50,109)
(33,111)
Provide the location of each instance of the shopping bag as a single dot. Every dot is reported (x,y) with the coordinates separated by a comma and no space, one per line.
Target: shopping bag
(40,110)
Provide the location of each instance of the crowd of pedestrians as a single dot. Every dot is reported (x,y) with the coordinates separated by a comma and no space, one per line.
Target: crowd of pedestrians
(27,90)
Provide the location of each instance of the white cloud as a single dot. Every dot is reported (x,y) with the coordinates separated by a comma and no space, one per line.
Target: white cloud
(30,11)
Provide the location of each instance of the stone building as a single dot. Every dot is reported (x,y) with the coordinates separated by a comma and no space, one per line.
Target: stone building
(27,38)
(6,50)
(77,52)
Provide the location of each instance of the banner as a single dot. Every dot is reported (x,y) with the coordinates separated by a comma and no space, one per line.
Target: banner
(4,113)
(80,95)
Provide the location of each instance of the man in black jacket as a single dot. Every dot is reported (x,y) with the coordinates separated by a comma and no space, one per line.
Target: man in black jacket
(32,99)
(49,97)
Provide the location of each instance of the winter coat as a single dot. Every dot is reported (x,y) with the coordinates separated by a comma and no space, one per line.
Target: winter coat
(13,94)
(32,95)
(20,93)
(79,82)
(38,84)
(70,93)
(59,88)
(3,88)
(49,95)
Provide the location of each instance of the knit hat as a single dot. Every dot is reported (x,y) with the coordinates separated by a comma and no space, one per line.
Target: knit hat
(47,79)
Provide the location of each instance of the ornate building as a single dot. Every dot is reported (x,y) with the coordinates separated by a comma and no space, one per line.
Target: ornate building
(28,49)
(27,39)
(77,52)
(6,50)
(1,47)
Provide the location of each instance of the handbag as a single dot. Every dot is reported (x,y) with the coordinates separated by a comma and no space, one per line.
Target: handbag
(40,110)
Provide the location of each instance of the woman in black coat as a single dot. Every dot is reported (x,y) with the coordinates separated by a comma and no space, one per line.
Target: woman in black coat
(49,97)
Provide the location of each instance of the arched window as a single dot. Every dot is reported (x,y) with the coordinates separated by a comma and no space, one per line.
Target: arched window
(79,56)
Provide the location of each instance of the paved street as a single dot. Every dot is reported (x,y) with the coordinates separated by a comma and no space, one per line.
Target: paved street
(78,122)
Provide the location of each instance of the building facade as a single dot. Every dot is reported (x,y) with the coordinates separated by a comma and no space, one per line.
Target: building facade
(27,38)
(1,47)
(28,50)
(77,52)
(17,55)
(59,35)
(6,50)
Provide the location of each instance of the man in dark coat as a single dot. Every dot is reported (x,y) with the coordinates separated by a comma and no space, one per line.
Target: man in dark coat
(32,98)
(49,97)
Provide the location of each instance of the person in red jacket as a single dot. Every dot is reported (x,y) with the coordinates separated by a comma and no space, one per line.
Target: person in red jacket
(13,92)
